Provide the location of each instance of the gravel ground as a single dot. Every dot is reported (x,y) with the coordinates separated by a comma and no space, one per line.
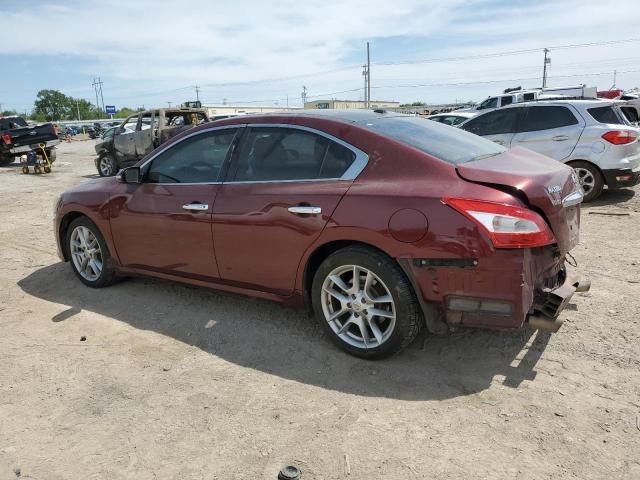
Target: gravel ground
(174,382)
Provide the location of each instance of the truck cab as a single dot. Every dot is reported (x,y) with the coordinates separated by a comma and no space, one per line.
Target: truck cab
(141,132)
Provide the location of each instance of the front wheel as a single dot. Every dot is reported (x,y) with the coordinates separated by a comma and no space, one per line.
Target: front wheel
(590,179)
(107,166)
(89,255)
(366,304)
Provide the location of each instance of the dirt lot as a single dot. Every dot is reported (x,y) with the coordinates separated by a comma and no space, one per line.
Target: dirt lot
(175,382)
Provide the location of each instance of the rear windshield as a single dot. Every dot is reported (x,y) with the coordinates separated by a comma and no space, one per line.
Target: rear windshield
(444,142)
(604,114)
(9,123)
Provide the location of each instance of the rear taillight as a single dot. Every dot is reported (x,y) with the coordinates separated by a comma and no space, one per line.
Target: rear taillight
(6,138)
(507,226)
(620,137)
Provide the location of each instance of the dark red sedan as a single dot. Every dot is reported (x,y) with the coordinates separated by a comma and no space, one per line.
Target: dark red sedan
(382,223)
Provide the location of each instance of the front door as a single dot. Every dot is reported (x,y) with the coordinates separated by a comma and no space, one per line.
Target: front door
(145,133)
(124,142)
(498,125)
(164,223)
(282,188)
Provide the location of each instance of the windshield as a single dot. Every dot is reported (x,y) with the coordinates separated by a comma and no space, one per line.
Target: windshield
(452,145)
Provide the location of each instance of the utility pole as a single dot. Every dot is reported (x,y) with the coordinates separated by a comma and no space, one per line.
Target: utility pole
(169,104)
(97,86)
(368,77)
(547,61)
(78,109)
(1,109)
(615,73)
(364,75)
(197,93)
(304,95)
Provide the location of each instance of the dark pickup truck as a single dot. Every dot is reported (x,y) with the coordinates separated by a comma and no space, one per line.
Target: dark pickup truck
(17,138)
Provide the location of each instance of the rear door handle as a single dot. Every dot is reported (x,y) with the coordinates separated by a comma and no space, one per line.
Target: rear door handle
(305,210)
(199,207)
(560,138)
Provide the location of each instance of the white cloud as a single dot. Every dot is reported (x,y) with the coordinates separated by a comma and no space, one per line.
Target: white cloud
(147,46)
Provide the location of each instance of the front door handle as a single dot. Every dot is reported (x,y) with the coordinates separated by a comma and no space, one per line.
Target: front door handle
(199,207)
(560,138)
(499,142)
(305,210)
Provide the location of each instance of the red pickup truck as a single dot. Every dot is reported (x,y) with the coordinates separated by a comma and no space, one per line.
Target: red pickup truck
(17,138)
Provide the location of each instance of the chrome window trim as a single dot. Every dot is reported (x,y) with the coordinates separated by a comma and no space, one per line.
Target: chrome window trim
(193,134)
(358,165)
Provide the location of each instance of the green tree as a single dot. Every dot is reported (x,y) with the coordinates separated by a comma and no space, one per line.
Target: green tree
(85,109)
(52,104)
(124,112)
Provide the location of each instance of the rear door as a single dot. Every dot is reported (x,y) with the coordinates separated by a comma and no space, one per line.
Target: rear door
(553,130)
(499,125)
(282,188)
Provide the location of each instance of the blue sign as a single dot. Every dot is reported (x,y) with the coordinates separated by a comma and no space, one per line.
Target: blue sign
(111,109)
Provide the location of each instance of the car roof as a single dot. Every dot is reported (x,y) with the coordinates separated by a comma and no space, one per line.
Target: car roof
(353,116)
(454,113)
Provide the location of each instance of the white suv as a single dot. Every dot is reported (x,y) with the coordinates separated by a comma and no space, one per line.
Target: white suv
(593,136)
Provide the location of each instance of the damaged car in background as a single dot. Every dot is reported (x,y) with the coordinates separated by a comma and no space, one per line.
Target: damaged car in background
(381,223)
(140,133)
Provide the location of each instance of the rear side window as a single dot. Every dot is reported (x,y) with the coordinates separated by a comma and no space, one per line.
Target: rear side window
(545,118)
(631,114)
(285,154)
(508,100)
(605,114)
(493,123)
(449,144)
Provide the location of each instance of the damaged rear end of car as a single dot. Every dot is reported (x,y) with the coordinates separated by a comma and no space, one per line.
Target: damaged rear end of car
(534,235)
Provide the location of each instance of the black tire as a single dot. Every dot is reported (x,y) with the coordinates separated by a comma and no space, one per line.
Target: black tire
(103,163)
(52,154)
(408,316)
(108,275)
(584,169)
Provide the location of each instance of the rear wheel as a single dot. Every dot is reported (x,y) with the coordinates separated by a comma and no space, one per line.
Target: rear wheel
(52,154)
(89,255)
(364,301)
(107,166)
(590,179)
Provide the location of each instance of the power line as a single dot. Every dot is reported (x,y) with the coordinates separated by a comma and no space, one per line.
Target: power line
(507,53)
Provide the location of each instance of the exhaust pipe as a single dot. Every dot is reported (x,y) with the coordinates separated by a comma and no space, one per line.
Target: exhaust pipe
(547,324)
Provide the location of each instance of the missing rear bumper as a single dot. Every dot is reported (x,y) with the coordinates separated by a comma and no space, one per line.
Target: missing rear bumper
(552,302)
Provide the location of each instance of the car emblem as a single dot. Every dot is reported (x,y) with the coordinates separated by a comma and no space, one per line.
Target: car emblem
(554,188)
(32,132)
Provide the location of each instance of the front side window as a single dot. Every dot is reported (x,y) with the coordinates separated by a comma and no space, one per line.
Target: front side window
(281,154)
(508,100)
(548,117)
(197,159)
(493,123)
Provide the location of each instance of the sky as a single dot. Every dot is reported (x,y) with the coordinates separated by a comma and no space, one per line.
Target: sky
(250,52)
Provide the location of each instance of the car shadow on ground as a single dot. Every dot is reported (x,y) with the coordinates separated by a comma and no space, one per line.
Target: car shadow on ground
(288,343)
(612,197)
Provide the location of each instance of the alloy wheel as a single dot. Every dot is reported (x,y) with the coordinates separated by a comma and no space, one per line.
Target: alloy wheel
(358,306)
(86,253)
(106,166)
(586,179)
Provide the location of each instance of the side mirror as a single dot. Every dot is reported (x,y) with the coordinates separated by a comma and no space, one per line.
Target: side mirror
(130,175)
